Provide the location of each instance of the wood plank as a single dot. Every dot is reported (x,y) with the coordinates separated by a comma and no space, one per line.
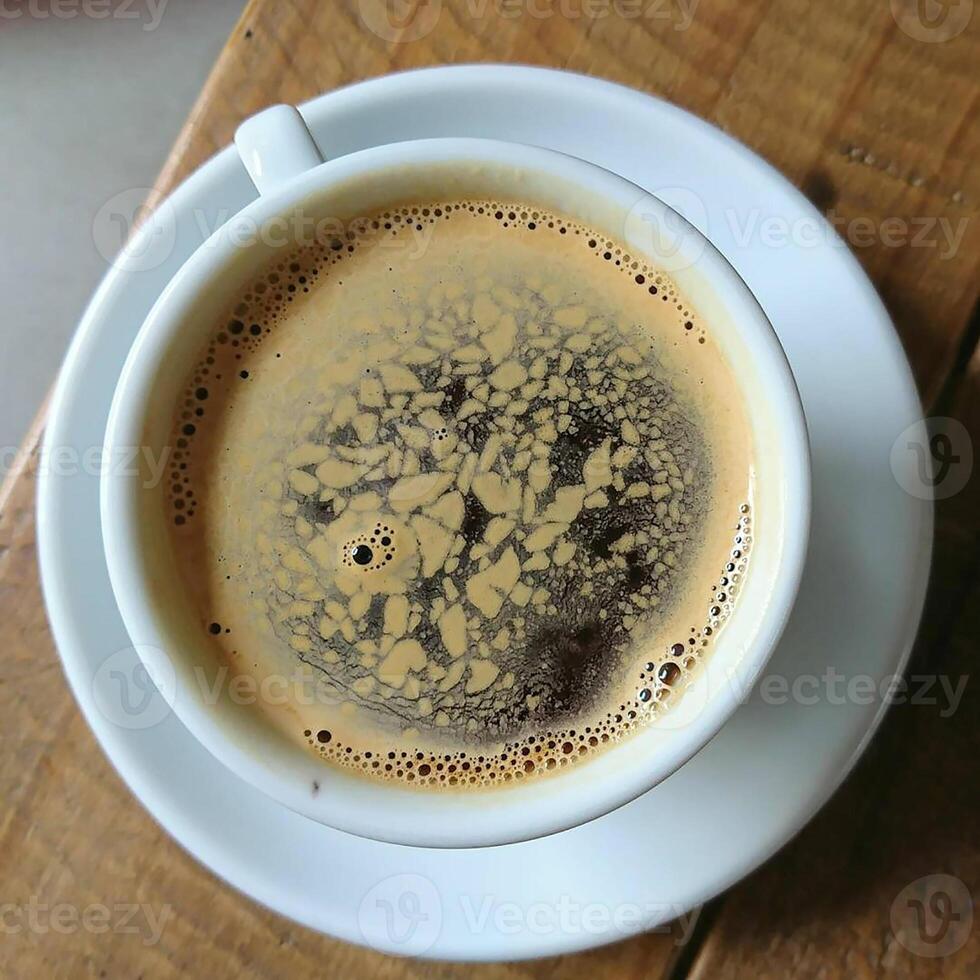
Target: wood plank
(873,124)
(828,904)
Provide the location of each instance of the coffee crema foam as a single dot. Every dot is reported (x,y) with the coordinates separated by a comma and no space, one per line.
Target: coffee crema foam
(479,475)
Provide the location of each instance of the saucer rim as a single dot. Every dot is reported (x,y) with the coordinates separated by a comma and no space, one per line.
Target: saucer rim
(56,578)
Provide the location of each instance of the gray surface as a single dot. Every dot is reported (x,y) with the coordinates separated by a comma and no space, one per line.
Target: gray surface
(90,109)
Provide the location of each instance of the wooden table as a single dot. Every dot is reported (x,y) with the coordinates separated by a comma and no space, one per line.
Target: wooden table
(874,119)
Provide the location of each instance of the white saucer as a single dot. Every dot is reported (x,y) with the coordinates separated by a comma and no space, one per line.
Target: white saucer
(772,766)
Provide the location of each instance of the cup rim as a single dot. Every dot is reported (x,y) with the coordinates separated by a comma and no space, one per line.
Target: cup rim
(373,809)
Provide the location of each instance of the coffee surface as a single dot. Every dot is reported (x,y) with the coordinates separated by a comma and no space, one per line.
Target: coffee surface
(465,490)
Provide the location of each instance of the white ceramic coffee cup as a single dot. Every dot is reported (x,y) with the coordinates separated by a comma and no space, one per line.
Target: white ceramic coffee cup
(296,185)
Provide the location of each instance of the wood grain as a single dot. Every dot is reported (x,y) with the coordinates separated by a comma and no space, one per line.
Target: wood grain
(874,125)
(824,906)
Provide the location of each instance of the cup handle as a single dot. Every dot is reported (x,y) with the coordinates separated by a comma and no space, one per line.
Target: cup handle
(276,145)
